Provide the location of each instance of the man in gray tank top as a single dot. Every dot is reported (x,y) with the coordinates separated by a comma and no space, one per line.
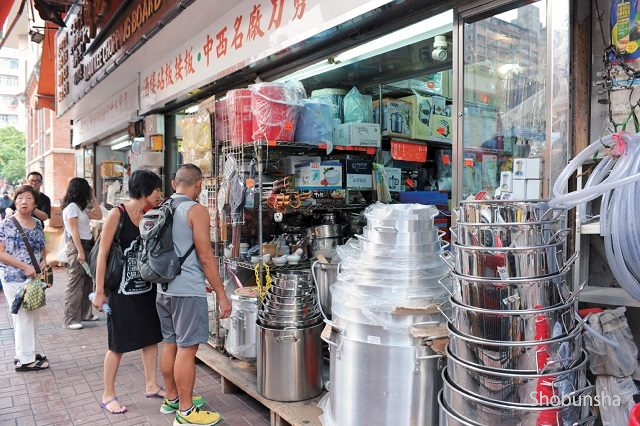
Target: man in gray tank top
(182,308)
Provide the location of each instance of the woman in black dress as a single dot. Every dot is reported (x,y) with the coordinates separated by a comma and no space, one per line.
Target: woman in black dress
(133,323)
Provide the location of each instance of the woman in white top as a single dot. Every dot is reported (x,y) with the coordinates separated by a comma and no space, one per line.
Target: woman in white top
(76,216)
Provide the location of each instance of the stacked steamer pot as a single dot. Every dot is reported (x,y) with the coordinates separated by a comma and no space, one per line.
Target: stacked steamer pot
(386,334)
(289,357)
(515,347)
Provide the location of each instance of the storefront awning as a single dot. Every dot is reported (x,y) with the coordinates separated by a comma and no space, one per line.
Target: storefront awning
(46,94)
(5,8)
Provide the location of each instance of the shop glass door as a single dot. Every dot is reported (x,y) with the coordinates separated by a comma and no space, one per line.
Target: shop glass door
(505,130)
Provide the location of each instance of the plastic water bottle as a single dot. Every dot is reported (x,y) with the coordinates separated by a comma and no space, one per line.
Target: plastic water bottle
(105,307)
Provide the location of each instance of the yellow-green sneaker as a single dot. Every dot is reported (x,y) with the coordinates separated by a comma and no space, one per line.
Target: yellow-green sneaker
(169,407)
(197,417)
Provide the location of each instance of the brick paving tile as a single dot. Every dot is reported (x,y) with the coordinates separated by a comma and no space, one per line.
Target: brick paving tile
(68,393)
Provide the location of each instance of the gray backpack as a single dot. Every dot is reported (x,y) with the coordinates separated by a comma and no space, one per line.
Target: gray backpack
(157,258)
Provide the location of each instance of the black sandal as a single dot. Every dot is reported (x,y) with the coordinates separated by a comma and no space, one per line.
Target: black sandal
(38,358)
(34,366)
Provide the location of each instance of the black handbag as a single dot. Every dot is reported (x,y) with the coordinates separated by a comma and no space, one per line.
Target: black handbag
(115,260)
(17,301)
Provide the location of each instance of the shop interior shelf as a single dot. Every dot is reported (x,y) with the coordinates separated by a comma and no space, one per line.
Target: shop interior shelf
(612,296)
(317,207)
(242,264)
(303,148)
(487,151)
(592,228)
(430,142)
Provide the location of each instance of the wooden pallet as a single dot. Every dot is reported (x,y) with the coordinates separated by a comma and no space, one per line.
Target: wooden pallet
(239,375)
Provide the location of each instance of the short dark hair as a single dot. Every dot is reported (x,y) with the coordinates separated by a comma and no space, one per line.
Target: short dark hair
(142,183)
(34,173)
(78,192)
(188,174)
(26,188)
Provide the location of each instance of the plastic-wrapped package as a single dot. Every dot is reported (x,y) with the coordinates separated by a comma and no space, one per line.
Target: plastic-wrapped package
(335,98)
(221,120)
(315,122)
(325,405)
(620,361)
(275,108)
(240,117)
(358,108)
(351,257)
(380,211)
(608,388)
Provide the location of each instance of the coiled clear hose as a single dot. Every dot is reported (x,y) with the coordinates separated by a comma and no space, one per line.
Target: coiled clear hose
(617,180)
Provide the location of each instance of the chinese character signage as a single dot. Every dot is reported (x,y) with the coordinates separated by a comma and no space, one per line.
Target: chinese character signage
(251,31)
(97,35)
(109,117)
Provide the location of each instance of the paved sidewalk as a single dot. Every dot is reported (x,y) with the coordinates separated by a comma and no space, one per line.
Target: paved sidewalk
(68,392)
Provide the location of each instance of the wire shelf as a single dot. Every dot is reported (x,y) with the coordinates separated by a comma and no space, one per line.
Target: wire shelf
(234,264)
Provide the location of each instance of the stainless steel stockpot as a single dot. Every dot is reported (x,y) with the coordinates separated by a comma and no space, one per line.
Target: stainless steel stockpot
(509,234)
(297,292)
(448,417)
(506,211)
(516,388)
(289,363)
(302,312)
(375,384)
(291,300)
(517,325)
(326,231)
(506,262)
(544,356)
(393,237)
(291,285)
(273,322)
(511,294)
(472,408)
(296,275)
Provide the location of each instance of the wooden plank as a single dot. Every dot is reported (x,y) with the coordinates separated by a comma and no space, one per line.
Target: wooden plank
(243,375)
(581,74)
(227,386)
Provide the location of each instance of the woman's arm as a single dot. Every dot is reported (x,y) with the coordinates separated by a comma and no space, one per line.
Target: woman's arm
(75,236)
(95,212)
(106,240)
(6,258)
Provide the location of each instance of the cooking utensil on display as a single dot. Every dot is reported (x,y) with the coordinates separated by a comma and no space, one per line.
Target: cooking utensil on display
(236,202)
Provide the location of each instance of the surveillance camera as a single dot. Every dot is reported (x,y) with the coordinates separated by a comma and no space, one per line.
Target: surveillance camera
(439,49)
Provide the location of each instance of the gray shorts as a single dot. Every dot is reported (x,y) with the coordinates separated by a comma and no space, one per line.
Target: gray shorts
(184,320)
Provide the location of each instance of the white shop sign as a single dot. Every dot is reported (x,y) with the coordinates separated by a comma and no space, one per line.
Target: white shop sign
(249,32)
(109,117)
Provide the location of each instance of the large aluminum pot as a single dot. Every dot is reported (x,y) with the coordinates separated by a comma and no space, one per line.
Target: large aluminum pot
(507,262)
(511,294)
(324,276)
(515,326)
(393,237)
(449,418)
(506,211)
(289,363)
(509,234)
(516,388)
(544,356)
(472,408)
(393,250)
(398,289)
(241,338)
(375,384)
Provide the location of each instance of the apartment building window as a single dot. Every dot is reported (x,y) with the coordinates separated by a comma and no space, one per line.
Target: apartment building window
(8,101)
(8,119)
(10,63)
(8,80)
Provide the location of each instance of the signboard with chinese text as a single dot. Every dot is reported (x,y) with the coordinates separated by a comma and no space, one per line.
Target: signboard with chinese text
(251,31)
(94,42)
(109,117)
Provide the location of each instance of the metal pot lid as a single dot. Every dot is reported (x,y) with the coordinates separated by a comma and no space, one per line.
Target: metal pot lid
(246,293)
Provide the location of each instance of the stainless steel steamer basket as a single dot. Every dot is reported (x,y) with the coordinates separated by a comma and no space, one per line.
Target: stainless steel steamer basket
(516,388)
(472,408)
(543,356)
(506,211)
(514,326)
(506,262)
(511,294)
(509,234)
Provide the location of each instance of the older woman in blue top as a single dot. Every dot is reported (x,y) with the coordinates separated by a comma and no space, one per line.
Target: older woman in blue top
(16,270)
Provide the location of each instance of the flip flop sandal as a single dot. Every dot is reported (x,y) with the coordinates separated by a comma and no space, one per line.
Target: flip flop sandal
(34,366)
(38,358)
(103,405)
(156,394)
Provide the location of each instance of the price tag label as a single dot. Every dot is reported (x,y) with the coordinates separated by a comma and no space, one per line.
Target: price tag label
(502,273)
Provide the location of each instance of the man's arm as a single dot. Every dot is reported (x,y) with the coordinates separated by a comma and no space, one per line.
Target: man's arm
(199,221)
(43,212)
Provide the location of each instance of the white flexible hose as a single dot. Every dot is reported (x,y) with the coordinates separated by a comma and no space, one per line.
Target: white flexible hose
(617,180)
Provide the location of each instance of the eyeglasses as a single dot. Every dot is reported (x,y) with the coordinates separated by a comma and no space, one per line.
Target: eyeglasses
(34,181)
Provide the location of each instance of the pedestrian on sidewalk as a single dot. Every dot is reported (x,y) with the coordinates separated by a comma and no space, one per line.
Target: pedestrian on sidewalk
(133,323)
(17,269)
(43,203)
(182,305)
(78,207)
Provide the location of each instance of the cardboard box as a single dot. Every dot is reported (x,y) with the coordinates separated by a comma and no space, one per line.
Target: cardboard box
(288,164)
(357,134)
(395,117)
(506,181)
(534,168)
(151,158)
(55,221)
(325,175)
(534,189)
(358,174)
(441,127)
(420,116)
(519,189)
(519,168)
(394,179)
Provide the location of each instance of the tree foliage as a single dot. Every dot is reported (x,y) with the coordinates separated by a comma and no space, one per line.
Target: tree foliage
(12,155)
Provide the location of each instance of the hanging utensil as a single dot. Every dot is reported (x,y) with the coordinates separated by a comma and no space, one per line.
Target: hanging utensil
(236,202)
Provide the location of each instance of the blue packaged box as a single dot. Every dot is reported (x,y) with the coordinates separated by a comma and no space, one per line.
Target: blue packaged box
(424,197)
